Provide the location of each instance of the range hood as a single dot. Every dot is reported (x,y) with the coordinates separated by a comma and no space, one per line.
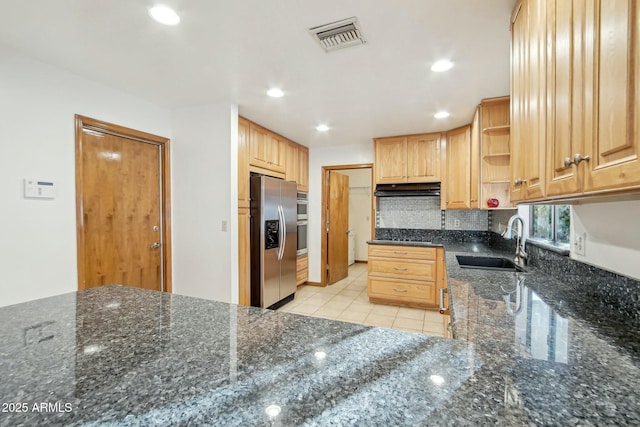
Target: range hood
(407,190)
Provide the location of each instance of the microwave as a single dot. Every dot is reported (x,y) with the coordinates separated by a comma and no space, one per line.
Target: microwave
(303,206)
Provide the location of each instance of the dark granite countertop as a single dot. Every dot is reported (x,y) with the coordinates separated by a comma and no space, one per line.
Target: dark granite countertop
(550,354)
(123,356)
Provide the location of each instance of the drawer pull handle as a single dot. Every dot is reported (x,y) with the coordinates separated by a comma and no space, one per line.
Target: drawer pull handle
(399,290)
(400,252)
(400,268)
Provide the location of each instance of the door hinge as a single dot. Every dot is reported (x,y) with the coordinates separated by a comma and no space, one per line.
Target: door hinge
(327,267)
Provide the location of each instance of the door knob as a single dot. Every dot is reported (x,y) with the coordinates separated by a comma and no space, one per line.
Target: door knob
(156,245)
(567,162)
(577,158)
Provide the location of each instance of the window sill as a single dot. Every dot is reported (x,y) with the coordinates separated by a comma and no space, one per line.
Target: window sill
(561,249)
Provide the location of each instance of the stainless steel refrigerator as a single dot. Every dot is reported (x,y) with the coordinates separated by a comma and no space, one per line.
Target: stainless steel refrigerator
(274,238)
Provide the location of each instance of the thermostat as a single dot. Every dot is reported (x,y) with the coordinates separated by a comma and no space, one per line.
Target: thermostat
(39,189)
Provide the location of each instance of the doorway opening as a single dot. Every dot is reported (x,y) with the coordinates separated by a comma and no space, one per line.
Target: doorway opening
(123,206)
(348,219)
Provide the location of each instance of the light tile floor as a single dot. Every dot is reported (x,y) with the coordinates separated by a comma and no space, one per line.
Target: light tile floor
(347,301)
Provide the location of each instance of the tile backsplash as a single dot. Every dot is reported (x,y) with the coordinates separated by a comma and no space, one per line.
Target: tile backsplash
(419,212)
(475,220)
(424,213)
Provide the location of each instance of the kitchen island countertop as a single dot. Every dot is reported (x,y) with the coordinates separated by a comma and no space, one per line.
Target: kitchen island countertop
(124,356)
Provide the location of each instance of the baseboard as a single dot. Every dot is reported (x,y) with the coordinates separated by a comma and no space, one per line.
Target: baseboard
(314,284)
(364,261)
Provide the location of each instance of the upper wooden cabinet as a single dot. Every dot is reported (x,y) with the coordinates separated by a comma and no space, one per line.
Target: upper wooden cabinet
(610,158)
(266,150)
(528,101)
(243,162)
(291,161)
(495,151)
(303,168)
(411,158)
(575,98)
(457,179)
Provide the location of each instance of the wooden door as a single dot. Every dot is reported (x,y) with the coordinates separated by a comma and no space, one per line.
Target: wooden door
(614,150)
(121,225)
(458,177)
(390,160)
(338,227)
(423,158)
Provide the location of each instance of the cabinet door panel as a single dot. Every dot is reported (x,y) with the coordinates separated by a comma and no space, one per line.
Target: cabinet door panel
(615,151)
(244,257)
(534,151)
(277,153)
(303,168)
(390,160)
(519,74)
(243,163)
(291,162)
(565,67)
(458,177)
(259,146)
(423,158)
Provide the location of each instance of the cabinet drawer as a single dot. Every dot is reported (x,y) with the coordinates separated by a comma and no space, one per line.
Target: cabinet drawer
(406,252)
(302,263)
(302,276)
(400,290)
(424,270)
(302,269)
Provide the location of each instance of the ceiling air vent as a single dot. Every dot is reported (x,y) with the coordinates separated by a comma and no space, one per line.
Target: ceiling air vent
(338,35)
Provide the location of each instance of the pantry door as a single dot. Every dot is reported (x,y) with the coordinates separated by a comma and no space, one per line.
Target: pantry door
(122,197)
(338,227)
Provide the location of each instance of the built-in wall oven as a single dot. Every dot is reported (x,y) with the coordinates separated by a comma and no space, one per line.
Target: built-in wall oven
(302,223)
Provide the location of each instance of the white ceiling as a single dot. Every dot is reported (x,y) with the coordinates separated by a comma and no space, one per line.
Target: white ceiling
(234,50)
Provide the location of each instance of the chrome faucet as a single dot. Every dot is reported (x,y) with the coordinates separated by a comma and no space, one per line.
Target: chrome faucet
(521,256)
(519,289)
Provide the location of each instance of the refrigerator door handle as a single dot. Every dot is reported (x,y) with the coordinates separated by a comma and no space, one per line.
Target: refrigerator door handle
(280,233)
(284,233)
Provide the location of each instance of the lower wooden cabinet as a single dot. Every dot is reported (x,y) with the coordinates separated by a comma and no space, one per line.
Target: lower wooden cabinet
(244,257)
(302,270)
(405,275)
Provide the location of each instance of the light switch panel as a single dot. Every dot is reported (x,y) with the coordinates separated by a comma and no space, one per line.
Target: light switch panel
(39,189)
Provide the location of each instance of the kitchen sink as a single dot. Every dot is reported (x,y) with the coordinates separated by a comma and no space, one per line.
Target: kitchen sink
(488,263)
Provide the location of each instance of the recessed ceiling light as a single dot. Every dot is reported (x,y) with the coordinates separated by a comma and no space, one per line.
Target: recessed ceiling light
(442,65)
(275,92)
(164,15)
(322,128)
(441,115)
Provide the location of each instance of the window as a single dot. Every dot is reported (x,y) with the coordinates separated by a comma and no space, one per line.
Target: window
(551,223)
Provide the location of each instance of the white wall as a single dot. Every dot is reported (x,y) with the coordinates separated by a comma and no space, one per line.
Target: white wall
(203,198)
(37,107)
(319,157)
(612,235)
(360,209)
